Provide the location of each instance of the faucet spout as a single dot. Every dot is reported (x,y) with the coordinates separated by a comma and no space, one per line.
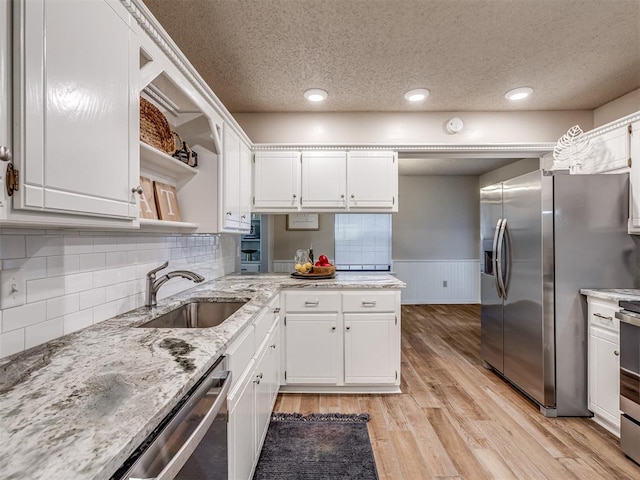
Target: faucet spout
(153,284)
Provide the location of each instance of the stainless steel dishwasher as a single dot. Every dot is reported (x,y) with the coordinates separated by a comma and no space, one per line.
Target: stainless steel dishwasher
(191,443)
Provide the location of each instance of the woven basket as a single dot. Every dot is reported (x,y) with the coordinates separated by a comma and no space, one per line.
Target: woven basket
(329,270)
(154,128)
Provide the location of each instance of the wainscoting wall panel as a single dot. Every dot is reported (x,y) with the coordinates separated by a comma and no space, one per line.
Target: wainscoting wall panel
(426,280)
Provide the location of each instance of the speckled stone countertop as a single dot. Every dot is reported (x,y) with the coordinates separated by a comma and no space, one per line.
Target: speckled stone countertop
(628,294)
(77,407)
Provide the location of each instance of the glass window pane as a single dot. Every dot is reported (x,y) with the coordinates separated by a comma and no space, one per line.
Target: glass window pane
(363,241)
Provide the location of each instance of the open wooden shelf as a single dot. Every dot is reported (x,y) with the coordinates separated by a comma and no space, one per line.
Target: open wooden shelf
(157,161)
(146,223)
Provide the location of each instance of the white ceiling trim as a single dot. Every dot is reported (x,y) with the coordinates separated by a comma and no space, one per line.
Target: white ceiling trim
(519,148)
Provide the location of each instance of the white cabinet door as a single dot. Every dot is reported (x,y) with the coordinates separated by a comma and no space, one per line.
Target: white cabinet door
(262,395)
(242,434)
(313,349)
(273,370)
(372,181)
(231,180)
(324,180)
(76,108)
(370,348)
(245,188)
(604,388)
(276,185)
(634,179)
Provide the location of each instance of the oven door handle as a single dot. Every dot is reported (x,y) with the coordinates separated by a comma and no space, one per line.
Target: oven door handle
(175,464)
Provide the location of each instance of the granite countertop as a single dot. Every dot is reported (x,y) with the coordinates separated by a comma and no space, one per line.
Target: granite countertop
(78,406)
(618,294)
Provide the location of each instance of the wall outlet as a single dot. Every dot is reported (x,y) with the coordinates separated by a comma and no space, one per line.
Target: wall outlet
(13,288)
(444,283)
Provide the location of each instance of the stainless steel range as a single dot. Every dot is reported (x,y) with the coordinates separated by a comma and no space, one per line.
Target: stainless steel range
(630,379)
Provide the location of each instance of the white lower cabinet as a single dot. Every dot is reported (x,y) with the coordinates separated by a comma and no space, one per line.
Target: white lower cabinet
(370,348)
(254,391)
(604,363)
(312,349)
(342,341)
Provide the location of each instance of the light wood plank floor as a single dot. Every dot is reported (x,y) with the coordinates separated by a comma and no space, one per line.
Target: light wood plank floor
(457,420)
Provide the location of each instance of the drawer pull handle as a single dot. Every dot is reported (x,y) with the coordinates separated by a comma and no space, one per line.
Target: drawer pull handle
(604,317)
(616,353)
(273,345)
(276,310)
(310,303)
(368,303)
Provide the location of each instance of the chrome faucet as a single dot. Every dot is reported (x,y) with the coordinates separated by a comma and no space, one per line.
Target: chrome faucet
(154,285)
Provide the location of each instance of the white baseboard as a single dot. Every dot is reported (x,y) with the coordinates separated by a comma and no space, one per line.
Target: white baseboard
(424,279)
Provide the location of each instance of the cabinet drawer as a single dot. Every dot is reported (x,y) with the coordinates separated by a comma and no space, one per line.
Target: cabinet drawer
(602,315)
(368,301)
(240,353)
(313,301)
(262,326)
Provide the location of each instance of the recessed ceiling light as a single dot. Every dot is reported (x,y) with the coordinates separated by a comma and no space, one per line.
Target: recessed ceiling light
(417,94)
(519,93)
(315,95)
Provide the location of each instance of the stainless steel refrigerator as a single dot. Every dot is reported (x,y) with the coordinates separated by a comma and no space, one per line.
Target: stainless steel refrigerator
(543,238)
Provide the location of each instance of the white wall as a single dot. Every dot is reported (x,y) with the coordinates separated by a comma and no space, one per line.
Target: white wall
(618,108)
(507,172)
(285,242)
(77,279)
(412,127)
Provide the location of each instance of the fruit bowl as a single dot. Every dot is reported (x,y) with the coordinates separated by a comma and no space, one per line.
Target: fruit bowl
(328,270)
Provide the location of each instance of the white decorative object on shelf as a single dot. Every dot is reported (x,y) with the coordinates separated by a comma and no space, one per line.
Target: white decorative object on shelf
(570,151)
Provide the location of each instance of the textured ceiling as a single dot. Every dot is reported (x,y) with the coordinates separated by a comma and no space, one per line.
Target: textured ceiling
(261,55)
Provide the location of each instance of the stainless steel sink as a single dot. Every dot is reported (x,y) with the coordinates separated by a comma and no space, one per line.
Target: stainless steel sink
(195,315)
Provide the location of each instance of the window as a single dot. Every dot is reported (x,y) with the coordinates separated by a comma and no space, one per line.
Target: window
(363,241)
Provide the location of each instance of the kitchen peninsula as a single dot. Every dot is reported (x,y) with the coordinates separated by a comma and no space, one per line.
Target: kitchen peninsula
(78,406)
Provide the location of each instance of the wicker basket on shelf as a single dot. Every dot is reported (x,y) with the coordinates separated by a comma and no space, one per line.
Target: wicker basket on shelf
(328,270)
(154,128)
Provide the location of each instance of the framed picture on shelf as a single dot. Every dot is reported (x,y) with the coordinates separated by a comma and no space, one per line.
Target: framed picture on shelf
(303,221)
(167,202)
(147,200)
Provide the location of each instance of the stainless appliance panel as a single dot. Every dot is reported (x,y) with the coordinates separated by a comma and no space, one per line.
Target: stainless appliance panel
(591,250)
(491,308)
(523,306)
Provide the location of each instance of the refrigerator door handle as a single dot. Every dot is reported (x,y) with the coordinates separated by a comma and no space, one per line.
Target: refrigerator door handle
(507,258)
(494,259)
(498,272)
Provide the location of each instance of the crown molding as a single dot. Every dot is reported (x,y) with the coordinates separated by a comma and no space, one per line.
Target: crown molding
(540,148)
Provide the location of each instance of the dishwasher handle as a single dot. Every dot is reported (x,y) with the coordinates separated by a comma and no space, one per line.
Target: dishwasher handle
(175,464)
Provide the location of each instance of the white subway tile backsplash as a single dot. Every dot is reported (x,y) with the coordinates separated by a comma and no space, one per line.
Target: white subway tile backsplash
(104,311)
(78,282)
(79,278)
(77,245)
(44,246)
(24,315)
(92,261)
(11,342)
(59,306)
(43,332)
(78,320)
(44,288)
(62,265)
(91,298)
(34,268)
(12,246)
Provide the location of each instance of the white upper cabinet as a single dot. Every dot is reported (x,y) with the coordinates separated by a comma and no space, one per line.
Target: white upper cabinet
(276,181)
(324,180)
(634,178)
(372,179)
(75,109)
(236,183)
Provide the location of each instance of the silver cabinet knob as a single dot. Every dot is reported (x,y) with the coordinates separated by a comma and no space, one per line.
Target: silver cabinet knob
(273,345)
(5,154)
(137,190)
(243,216)
(348,328)
(295,196)
(260,375)
(333,329)
(342,196)
(229,213)
(616,353)
(353,196)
